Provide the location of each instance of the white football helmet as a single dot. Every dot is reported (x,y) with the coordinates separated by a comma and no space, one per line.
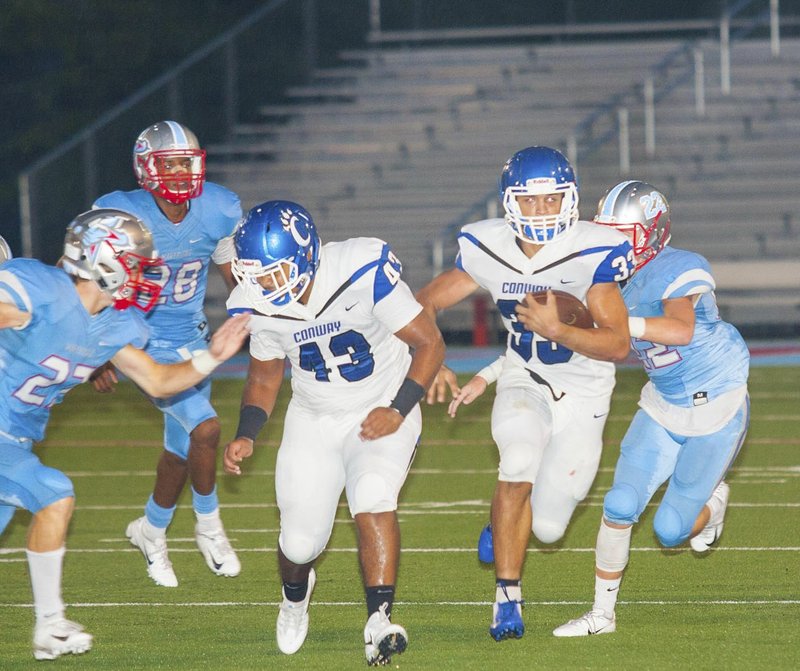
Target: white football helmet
(642,213)
(5,250)
(115,250)
(169,162)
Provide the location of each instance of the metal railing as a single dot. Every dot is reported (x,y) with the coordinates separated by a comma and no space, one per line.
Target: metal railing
(613,114)
(208,91)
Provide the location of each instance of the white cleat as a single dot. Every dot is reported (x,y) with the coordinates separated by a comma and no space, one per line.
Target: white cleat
(382,639)
(292,626)
(589,624)
(217,550)
(710,534)
(159,567)
(60,637)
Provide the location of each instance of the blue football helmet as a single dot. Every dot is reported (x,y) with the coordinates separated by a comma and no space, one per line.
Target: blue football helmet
(539,171)
(5,250)
(641,212)
(277,254)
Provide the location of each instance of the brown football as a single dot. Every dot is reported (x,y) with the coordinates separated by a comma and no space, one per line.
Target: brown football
(570,310)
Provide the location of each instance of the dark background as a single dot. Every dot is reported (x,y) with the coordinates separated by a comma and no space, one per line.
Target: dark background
(63,63)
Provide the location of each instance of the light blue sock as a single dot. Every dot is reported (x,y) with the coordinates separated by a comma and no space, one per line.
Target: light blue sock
(205,504)
(157,516)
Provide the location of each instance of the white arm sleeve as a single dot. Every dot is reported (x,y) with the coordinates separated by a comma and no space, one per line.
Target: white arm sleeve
(224,252)
(491,372)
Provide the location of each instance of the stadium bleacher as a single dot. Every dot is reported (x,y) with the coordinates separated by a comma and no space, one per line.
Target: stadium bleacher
(399,142)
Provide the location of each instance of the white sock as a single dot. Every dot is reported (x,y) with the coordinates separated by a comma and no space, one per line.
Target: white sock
(45,570)
(605,595)
(508,593)
(207,520)
(152,532)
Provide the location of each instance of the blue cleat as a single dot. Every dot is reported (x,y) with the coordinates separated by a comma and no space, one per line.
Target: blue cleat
(507,622)
(486,545)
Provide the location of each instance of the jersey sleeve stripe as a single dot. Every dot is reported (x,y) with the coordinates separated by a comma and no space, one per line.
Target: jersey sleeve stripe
(695,281)
(13,291)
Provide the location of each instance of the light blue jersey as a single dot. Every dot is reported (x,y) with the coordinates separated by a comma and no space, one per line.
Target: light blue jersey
(715,361)
(187,248)
(694,412)
(57,350)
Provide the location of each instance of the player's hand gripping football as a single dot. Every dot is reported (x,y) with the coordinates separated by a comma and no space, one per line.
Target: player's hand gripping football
(541,318)
(235,452)
(445,379)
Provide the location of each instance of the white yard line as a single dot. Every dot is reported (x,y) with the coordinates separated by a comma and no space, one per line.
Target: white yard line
(360,604)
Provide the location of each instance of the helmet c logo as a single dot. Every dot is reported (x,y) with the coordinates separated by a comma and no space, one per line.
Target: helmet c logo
(289,221)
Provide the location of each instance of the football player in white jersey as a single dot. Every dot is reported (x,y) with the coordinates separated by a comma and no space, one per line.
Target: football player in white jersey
(694,411)
(56,326)
(192,221)
(345,320)
(554,390)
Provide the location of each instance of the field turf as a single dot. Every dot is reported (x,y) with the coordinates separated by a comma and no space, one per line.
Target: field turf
(736,608)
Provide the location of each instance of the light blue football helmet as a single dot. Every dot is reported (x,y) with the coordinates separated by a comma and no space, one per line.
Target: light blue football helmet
(539,171)
(641,212)
(276,240)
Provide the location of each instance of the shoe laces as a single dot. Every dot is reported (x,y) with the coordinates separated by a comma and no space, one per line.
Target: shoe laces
(291,614)
(157,551)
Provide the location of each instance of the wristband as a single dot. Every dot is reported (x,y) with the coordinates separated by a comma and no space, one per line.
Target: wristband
(636,325)
(251,421)
(204,362)
(409,394)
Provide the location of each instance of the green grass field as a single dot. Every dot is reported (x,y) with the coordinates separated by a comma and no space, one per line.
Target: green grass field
(736,608)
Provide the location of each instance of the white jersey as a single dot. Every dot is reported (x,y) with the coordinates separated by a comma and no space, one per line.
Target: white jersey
(341,345)
(589,254)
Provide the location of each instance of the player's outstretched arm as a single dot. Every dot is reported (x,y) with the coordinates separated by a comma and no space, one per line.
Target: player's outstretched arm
(444,291)
(12,317)
(425,340)
(675,327)
(165,380)
(264,379)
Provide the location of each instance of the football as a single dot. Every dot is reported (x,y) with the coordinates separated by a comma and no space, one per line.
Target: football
(570,310)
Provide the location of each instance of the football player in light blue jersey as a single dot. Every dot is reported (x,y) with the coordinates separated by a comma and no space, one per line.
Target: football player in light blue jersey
(191,221)
(554,389)
(343,317)
(694,411)
(56,327)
